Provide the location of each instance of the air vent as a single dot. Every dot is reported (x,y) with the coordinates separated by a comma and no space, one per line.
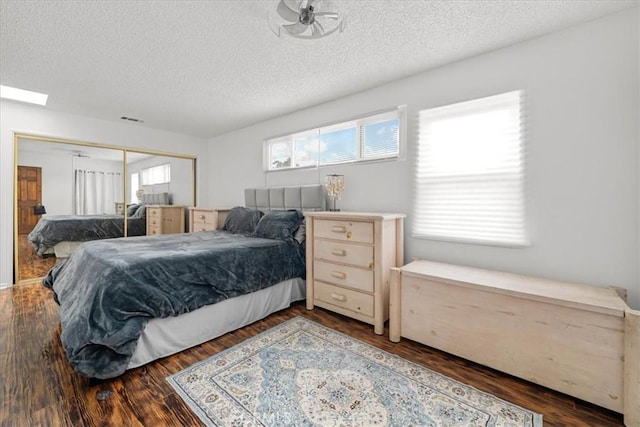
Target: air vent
(131,119)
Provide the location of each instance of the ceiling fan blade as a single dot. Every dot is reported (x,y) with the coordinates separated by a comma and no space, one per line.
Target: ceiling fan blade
(333,15)
(296,28)
(286,12)
(293,5)
(318,29)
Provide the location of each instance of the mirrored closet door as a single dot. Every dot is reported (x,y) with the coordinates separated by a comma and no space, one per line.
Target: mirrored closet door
(68,192)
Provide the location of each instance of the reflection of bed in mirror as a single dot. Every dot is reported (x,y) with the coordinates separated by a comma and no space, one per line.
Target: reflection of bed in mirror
(62,234)
(202,263)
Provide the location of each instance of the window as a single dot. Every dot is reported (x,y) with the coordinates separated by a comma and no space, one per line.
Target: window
(156,175)
(370,138)
(470,172)
(135,186)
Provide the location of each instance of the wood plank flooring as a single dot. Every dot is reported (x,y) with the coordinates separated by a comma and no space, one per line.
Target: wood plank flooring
(30,264)
(39,388)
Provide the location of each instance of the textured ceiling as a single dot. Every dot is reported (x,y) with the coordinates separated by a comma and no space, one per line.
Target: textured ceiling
(205,68)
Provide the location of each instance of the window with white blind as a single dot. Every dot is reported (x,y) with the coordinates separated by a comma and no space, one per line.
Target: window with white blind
(135,186)
(160,174)
(470,172)
(369,138)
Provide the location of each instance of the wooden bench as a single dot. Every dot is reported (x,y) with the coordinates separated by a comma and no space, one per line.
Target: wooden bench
(578,339)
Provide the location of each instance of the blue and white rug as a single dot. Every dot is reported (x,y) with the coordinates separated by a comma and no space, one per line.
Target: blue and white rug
(300,373)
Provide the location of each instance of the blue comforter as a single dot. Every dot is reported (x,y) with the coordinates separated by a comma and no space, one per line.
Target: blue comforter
(109,289)
(53,229)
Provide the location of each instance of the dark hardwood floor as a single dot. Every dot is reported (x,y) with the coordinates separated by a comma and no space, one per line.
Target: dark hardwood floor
(39,388)
(30,264)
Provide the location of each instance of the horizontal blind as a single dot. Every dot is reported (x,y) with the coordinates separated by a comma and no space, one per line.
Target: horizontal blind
(381,138)
(368,138)
(156,175)
(470,172)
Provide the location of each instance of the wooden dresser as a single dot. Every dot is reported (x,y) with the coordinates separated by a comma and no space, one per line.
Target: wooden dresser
(165,219)
(207,219)
(349,257)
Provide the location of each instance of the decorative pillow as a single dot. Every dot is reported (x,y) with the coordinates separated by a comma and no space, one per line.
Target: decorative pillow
(141,212)
(301,233)
(242,220)
(279,224)
(131,209)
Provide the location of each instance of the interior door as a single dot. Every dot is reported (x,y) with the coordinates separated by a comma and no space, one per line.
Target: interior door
(29,195)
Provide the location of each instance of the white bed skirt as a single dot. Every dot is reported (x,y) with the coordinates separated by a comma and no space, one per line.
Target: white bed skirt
(64,249)
(166,336)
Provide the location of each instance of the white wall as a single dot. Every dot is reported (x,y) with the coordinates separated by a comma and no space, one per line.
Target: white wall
(583,155)
(57,176)
(56,180)
(22,118)
(180,186)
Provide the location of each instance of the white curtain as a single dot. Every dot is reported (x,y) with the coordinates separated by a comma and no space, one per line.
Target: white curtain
(96,192)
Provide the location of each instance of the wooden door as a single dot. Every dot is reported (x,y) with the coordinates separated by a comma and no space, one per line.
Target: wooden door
(29,195)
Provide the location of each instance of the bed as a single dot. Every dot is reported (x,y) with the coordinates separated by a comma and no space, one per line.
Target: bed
(126,302)
(62,234)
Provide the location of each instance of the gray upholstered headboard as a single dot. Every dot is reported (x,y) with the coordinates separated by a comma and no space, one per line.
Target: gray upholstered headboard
(156,199)
(303,197)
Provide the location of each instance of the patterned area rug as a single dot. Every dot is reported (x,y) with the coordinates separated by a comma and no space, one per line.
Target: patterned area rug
(300,373)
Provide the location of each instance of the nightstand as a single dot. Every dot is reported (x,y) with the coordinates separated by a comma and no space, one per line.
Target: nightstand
(349,256)
(207,219)
(165,219)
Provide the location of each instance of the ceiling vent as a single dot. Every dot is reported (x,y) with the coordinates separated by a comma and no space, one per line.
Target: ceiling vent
(132,119)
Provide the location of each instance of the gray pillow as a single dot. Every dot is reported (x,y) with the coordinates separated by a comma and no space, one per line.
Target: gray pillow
(141,212)
(279,224)
(242,220)
(131,209)
(301,233)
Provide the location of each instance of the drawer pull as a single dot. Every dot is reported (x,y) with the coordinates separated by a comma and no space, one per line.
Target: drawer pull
(203,229)
(338,297)
(338,228)
(339,252)
(339,274)
(202,217)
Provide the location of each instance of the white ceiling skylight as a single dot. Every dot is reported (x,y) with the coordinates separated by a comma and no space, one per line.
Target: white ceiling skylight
(23,95)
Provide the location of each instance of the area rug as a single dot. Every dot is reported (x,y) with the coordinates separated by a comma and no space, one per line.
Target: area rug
(300,373)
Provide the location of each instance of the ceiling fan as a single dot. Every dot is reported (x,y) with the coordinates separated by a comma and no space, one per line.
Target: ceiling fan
(306,19)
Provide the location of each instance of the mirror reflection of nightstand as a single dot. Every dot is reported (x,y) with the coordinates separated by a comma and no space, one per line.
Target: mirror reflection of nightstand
(206,219)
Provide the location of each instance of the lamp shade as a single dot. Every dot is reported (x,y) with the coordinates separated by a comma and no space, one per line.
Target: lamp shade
(335,186)
(39,210)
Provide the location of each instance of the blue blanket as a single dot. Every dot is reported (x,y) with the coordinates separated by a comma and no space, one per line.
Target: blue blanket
(53,229)
(109,289)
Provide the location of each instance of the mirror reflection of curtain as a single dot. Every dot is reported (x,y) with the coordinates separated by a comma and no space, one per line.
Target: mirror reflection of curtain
(96,192)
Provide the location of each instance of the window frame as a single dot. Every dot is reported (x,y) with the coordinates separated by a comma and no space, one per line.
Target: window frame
(143,172)
(398,114)
(423,227)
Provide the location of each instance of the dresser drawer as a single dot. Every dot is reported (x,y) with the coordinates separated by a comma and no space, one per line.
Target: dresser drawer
(204,217)
(347,253)
(345,298)
(153,212)
(201,226)
(168,220)
(344,230)
(352,277)
(153,230)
